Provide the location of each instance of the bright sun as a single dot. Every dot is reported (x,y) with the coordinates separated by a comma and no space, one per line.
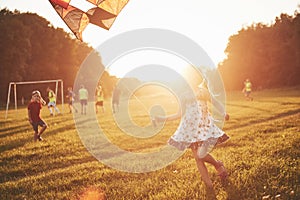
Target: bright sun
(149,65)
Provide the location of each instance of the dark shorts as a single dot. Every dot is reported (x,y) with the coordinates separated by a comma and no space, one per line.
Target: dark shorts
(247,93)
(36,124)
(99,103)
(116,101)
(83,101)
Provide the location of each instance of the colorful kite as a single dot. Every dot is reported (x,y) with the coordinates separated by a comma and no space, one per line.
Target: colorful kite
(77,14)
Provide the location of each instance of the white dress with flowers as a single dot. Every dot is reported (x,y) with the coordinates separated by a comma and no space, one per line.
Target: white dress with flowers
(196,126)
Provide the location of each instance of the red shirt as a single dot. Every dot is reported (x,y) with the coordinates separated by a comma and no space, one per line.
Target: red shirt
(35,108)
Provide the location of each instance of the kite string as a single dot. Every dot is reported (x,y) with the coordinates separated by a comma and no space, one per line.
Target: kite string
(143,105)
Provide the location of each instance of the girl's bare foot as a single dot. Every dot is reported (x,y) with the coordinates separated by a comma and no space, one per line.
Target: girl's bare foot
(222,172)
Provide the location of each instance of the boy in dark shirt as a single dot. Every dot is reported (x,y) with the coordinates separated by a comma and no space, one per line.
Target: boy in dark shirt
(34,117)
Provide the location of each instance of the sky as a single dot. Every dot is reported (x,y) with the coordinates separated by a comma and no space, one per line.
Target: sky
(209,23)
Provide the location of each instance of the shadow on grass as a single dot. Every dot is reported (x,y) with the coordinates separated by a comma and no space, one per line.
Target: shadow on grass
(247,106)
(23,186)
(15,144)
(19,143)
(12,132)
(232,191)
(10,129)
(260,121)
(29,171)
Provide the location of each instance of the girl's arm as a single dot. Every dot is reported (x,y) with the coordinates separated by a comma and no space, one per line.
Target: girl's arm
(220,108)
(168,117)
(172,117)
(207,96)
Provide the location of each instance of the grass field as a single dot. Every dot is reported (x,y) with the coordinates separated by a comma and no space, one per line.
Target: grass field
(262,155)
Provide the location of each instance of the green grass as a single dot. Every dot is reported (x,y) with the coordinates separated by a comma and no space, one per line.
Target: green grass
(262,155)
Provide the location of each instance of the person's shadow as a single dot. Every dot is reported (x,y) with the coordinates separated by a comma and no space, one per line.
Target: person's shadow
(231,190)
(210,194)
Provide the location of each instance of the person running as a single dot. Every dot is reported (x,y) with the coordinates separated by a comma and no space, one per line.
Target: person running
(52,102)
(34,107)
(71,98)
(247,90)
(83,97)
(198,131)
(99,96)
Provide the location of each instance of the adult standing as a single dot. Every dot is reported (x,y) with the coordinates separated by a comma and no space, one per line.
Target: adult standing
(116,99)
(83,97)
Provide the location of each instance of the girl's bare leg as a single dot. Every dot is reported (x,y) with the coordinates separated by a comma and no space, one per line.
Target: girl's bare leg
(211,160)
(217,164)
(202,169)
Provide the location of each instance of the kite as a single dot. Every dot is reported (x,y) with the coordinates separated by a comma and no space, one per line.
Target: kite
(77,14)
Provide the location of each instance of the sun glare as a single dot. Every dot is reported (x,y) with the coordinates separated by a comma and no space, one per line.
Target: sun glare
(149,65)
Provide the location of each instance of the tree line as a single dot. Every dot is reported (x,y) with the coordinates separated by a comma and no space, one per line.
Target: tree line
(269,55)
(32,49)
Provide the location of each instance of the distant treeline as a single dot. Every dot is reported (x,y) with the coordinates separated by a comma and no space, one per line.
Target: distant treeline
(269,55)
(32,49)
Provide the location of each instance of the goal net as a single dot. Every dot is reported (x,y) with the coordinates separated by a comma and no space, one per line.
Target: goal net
(13,86)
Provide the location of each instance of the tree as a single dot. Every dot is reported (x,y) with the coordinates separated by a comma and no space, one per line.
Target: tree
(268,55)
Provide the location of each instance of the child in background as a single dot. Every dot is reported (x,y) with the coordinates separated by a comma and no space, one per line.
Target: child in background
(34,117)
(99,97)
(71,98)
(247,90)
(52,102)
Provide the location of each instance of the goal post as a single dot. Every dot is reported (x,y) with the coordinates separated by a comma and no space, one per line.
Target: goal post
(14,86)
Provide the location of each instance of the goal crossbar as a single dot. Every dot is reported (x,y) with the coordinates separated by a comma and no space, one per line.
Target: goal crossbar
(14,84)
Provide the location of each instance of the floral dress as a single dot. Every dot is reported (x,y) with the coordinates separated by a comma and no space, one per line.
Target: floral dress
(197,127)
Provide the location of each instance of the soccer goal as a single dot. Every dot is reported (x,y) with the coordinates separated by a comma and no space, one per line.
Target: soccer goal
(13,85)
